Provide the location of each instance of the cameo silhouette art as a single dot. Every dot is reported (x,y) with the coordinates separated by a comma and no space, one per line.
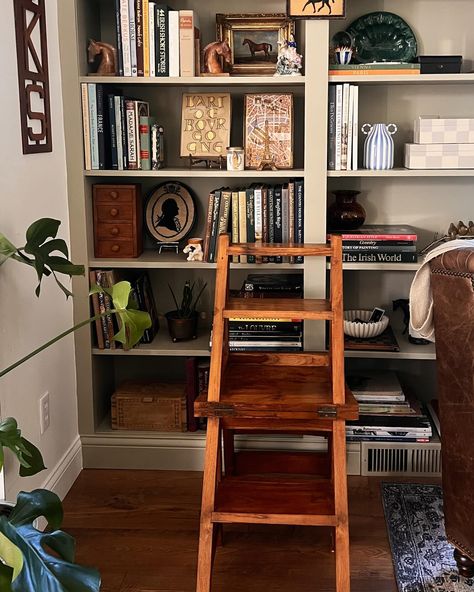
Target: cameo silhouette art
(170,212)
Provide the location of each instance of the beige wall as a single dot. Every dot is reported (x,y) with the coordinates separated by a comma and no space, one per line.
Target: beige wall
(32,187)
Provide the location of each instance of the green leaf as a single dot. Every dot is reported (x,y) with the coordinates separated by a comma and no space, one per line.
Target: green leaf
(57,244)
(39,231)
(7,249)
(28,455)
(64,266)
(40,569)
(6,575)
(120,294)
(133,325)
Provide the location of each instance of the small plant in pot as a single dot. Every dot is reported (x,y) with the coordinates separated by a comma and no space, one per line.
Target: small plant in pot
(182,322)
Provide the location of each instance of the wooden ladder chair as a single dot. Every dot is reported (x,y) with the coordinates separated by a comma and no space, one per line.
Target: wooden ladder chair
(300,393)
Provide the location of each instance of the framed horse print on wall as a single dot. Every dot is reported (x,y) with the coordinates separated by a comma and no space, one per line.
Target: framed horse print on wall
(254,41)
(322,9)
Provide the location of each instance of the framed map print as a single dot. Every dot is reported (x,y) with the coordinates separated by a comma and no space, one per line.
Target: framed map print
(323,9)
(268,127)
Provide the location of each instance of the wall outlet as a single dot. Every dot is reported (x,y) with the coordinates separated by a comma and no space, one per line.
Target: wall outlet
(44,413)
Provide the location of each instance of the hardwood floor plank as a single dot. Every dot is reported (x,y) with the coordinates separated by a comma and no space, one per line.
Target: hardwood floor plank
(140,529)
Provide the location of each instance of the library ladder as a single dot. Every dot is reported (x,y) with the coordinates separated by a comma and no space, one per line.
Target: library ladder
(293,393)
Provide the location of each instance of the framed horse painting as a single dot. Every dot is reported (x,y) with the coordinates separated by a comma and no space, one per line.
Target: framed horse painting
(322,9)
(254,40)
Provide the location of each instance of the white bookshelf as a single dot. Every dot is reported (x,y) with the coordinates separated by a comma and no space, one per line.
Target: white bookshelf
(197,173)
(219,81)
(402,172)
(431,79)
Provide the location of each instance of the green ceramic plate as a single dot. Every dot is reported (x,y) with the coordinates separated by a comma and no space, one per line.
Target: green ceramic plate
(382,37)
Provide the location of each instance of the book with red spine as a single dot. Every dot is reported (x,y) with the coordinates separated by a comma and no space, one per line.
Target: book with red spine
(382,232)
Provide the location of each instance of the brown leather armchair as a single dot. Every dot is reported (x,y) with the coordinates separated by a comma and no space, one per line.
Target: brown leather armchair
(452,283)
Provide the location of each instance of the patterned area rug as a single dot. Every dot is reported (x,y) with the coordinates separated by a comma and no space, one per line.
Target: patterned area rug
(422,557)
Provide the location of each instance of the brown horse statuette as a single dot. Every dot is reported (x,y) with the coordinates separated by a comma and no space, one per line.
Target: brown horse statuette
(256,47)
(108,53)
(213,55)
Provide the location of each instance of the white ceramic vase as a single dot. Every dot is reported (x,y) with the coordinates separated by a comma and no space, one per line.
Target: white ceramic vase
(379,146)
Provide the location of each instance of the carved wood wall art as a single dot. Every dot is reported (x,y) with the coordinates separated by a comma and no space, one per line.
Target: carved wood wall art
(33,78)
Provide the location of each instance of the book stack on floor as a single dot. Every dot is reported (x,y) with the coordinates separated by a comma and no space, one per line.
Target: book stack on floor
(343,126)
(119,133)
(155,40)
(268,335)
(107,326)
(267,213)
(441,144)
(375,69)
(380,244)
(386,414)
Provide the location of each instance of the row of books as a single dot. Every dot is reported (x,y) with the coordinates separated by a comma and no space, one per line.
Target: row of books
(375,69)
(268,213)
(155,40)
(268,335)
(380,244)
(107,326)
(343,127)
(197,380)
(119,133)
(386,414)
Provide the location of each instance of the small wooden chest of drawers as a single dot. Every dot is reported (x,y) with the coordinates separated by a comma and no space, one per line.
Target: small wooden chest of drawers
(118,220)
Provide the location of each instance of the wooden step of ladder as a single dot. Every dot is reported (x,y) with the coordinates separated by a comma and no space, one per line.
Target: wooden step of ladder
(275,393)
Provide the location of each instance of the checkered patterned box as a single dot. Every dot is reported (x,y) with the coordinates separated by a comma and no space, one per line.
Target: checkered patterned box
(439,156)
(443,131)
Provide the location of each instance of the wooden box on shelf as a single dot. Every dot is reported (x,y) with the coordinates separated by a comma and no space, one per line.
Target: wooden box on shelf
(152,406)
(118,218)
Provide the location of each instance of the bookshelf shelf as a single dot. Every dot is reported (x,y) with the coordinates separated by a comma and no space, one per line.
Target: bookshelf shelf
(153,260)
(163,346)
(369,79)
(402,172)
(197,173)
(224,81)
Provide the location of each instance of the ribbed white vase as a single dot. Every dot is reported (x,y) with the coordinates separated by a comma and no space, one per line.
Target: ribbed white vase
(379,146)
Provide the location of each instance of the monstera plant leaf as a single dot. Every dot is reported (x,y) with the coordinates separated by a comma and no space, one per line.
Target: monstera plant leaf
(27,563)
(132,322)
(29,457)
(38,252)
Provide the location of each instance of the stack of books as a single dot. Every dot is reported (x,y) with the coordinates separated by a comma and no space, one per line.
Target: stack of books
(343,125)
(119,133)
(385,412)
(380,244)
(268,335)
(154,40)
(107,326)
(267,213)
(375,69)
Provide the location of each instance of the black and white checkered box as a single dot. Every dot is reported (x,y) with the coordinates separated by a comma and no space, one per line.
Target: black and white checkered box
(443,131)
(439,156)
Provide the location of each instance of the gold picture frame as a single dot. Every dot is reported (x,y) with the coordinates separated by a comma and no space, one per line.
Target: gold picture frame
(269,128)
(254,41)
(309,9)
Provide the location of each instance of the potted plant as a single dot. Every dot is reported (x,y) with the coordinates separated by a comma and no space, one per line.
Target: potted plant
(26,563)
(182,322)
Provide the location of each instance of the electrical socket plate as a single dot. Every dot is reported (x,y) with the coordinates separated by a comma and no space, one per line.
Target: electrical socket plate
(44,412)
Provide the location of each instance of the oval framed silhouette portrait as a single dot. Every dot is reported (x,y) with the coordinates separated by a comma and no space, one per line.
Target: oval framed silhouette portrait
(170,212)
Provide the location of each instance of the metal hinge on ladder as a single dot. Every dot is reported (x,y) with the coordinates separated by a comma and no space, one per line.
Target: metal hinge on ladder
(329,412)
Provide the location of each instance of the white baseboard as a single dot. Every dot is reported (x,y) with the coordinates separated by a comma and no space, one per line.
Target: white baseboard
(66,471)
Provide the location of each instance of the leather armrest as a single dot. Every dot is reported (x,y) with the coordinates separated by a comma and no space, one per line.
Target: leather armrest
(457,261)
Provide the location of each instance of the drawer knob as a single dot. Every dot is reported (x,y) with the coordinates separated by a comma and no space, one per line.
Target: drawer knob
(115,231)
(114,194)
(114,212)
(115,248)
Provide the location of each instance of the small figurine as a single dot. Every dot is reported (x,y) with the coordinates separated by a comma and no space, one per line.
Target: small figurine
(212,64)
(289,61)
(194,249)
(108,53)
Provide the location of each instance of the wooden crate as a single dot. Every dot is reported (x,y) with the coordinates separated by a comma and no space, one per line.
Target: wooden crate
(152,406)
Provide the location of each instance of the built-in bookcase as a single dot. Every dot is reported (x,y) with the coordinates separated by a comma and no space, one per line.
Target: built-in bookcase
(428,200)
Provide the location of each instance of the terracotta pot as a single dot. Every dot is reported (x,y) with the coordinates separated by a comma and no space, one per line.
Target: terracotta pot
(345,213)
(181,329)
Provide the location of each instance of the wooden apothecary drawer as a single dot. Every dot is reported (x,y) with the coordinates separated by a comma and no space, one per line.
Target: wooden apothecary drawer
(118,220)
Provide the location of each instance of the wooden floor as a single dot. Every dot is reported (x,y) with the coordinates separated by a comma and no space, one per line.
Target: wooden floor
(140,529)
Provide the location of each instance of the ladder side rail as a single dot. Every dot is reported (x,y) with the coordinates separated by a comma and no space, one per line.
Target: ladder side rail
(337,322)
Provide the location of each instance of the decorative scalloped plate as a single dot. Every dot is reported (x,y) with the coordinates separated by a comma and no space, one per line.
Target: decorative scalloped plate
(382,37)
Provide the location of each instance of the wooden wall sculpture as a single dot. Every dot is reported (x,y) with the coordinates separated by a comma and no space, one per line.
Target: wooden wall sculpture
(33,79)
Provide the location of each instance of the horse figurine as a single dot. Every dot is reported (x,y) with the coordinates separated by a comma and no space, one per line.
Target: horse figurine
(323,4)
(108,53)
(254,47)
(212,64)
